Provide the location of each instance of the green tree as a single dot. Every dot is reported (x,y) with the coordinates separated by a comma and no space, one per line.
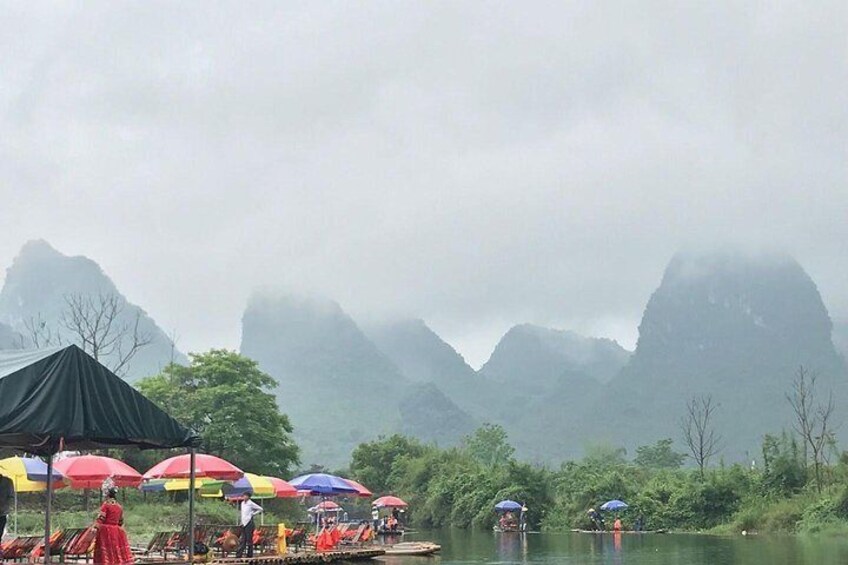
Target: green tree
(489,445)
(225,397)
(372,463)
(783,464)
(604,455)
(659,456)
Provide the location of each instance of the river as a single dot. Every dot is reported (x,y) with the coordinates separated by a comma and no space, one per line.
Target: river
(465,547)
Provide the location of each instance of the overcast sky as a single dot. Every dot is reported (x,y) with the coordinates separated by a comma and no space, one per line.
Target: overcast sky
(477,164)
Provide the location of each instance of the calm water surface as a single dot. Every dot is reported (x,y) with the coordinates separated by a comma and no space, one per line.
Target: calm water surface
(463,547)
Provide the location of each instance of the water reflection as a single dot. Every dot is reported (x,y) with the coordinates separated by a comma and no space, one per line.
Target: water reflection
(512,547)
(462,547)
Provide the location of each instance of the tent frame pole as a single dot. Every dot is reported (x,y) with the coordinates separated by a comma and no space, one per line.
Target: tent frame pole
(191,480)
(49,503)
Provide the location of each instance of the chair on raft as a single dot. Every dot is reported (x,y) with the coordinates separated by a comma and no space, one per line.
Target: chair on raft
(79,546)
(298,537)
(355,536)
(19,548)
(265,539)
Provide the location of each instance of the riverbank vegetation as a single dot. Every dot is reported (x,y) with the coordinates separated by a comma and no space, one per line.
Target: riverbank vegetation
(459,486)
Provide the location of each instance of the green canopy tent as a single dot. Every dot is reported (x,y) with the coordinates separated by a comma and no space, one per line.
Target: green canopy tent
(62,398)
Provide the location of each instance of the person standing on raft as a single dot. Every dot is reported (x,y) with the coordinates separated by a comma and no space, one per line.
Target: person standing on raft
(249,509)
(111,546)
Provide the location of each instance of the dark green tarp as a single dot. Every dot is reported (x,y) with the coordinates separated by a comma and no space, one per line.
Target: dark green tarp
(61,398)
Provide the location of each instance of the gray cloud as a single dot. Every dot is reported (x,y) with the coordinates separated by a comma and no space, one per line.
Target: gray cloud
(476,164)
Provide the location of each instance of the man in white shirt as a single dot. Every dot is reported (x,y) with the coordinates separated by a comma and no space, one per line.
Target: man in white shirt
(249,509)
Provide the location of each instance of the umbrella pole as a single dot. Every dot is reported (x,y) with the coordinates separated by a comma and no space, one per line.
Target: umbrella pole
(191,478)
(47,513)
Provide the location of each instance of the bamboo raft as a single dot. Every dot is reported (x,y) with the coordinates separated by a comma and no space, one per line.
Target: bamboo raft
(288,559)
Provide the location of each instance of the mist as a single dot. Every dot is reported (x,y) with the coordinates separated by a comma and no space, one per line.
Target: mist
(473,164)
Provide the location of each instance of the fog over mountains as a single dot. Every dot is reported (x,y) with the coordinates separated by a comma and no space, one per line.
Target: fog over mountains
(729,324)
(40,280)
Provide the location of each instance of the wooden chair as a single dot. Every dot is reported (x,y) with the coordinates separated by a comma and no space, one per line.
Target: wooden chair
(79,546)
(298,537)
(20,547)
(356,537)
(159,543)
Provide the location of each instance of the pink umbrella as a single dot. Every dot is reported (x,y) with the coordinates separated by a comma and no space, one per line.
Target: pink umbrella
(360,489)
(89,471)
(326,506)
(179,467)
(389,502)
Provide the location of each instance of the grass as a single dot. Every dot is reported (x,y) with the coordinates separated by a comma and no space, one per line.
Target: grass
(142,516)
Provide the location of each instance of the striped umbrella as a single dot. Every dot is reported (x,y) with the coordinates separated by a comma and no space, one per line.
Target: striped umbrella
(260,487)
(361,491)
(28,475)
(170,485)
(283,488)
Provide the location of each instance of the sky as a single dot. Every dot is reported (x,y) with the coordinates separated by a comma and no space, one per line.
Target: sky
(475,164)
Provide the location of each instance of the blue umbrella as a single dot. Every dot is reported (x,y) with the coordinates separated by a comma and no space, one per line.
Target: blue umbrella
(322,484)
(508,506)
(613,505)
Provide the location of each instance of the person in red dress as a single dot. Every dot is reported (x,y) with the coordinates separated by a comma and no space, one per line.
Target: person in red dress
(111,546)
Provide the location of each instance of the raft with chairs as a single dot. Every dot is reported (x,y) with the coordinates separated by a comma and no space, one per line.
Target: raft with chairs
(310,557)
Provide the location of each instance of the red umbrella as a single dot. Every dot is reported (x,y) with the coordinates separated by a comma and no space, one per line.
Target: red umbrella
(389,502)
(360,490)
(89,471)
(282,488)
(179,467)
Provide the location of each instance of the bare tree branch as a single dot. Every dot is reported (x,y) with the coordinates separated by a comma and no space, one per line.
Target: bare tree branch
(698,431)
(99,325)
(39,332)
(813,422)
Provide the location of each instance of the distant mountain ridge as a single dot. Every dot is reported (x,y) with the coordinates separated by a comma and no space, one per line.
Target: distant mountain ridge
(735,327)
(424,357)
(38,282)
(334,382)
(538,356)
(727,324)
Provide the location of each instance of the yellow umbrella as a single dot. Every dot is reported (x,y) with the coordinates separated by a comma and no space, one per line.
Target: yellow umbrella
(27,475)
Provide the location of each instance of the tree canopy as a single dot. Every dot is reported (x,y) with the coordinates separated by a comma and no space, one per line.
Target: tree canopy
(224,397)
(489,445)
(371,463)
(659,456)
